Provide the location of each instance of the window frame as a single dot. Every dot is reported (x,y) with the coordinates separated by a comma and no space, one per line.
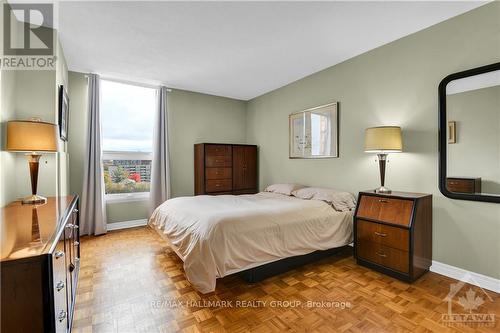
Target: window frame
(126,155)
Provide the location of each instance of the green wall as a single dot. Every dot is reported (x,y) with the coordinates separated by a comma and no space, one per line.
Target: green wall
(127,211)
(77,129)
(193,118)
(395,84)
(7,159)
(25,94)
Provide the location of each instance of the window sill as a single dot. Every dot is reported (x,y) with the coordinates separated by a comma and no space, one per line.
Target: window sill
(126,197)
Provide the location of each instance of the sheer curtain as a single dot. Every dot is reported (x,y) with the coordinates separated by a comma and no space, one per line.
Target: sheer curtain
(93,206)
(160,167)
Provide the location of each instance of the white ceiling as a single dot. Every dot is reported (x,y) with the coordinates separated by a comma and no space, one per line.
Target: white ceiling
(233,49)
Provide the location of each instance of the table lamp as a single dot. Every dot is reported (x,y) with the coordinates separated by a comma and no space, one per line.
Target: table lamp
(32,136)
(382,141)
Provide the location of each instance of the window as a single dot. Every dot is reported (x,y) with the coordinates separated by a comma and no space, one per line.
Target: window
(127,113)
(320,134)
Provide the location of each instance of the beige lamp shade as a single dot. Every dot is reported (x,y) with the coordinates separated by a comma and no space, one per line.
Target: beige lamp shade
(26,135)
(383,139)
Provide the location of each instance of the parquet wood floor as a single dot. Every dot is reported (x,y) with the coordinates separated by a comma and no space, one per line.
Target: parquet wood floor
(131,281)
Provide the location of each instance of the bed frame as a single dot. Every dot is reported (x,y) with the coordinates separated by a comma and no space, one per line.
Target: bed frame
(265,271)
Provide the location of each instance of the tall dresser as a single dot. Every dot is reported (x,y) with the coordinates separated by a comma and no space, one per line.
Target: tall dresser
(225,169)
(40,253)
(393,233)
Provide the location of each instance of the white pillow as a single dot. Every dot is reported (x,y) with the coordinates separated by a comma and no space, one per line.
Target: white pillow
(340,200)
(285,189)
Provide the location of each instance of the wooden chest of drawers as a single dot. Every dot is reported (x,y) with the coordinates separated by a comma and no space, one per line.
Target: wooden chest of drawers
(463,185)
(225,169)
(393,233)
(39,265)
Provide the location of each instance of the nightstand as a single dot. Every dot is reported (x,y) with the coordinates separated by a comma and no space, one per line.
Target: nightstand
(393,233)
(463,184)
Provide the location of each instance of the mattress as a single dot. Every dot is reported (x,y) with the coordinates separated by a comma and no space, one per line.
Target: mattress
(219,235)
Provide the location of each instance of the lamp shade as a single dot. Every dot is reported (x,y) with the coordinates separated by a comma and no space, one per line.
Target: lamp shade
(383,139)
(26,135)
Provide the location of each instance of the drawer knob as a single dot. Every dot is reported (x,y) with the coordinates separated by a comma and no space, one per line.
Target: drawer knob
(62,315)
(60,286)
(383,200)
(217,185)
(59,254)
(76,243)
(380,234)
(383,255)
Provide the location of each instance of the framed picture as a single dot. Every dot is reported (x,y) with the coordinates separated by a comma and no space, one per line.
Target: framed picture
(63,113)
(314,133)
(452,132)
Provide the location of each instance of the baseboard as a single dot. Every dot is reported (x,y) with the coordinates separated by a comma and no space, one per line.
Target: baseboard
(126,224)
(460,274)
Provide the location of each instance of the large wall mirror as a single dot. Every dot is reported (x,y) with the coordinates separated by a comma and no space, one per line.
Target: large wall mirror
(469,134)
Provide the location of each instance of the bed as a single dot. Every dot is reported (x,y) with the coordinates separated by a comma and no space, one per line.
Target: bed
(216,236)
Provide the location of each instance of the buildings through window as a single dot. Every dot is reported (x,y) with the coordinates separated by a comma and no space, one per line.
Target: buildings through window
(127,113)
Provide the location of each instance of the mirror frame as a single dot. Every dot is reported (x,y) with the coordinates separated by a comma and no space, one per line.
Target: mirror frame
(443,142)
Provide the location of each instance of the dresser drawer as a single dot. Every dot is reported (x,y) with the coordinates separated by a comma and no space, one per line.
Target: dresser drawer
(395,259)
(218,173)
(390,210)
(218,161)
(36,286)
(219,185)
(394,237)
(59,264)
(218,150)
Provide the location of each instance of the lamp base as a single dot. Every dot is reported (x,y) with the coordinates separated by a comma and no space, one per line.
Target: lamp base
(383,189)
(34,200)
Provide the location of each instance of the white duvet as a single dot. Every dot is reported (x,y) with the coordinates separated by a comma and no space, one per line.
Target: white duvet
(219,235)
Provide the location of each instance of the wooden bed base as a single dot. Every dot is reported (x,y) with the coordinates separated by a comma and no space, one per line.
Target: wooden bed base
(265,271)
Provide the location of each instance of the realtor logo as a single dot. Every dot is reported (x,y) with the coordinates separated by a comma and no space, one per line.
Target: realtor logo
(470,301)
(37,35)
